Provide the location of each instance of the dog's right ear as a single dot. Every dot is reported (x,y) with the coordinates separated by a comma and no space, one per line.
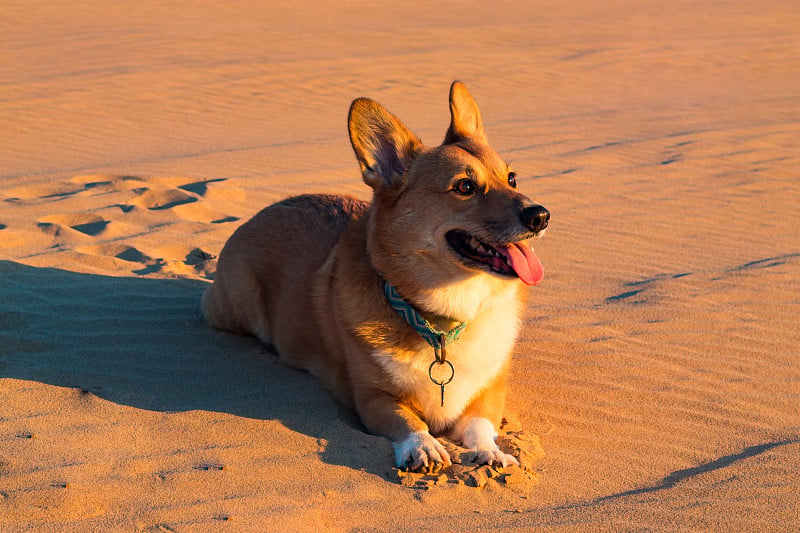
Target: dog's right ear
(384,147)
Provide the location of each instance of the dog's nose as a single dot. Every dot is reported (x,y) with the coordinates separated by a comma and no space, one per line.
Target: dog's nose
(535,218)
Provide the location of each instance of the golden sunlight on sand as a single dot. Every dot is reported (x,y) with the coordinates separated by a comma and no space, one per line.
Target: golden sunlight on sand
(656,382)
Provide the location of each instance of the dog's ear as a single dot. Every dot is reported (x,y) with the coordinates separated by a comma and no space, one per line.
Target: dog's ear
(384,147)
(465,117)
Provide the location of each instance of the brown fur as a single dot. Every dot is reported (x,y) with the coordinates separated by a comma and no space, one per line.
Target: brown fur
(306,274)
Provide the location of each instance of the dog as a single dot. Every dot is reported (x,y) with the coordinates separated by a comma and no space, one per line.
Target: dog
(407,307)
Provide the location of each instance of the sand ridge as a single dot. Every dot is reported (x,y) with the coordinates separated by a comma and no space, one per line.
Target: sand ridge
(655,384)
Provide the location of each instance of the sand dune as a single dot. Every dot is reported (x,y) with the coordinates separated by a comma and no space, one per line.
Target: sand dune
(658,363)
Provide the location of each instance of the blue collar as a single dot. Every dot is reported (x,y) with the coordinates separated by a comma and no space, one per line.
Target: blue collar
(437,339)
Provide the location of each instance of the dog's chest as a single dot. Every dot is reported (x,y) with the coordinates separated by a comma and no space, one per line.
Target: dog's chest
(477,358)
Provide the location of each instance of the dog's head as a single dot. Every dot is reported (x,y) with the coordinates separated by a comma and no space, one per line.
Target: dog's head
(448,214)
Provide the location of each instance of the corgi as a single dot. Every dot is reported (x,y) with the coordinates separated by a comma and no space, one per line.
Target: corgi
(406,307)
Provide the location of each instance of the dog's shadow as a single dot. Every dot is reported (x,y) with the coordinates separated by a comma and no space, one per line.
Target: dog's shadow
(143,343)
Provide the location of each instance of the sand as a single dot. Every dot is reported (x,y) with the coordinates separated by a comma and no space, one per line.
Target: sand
(658,364)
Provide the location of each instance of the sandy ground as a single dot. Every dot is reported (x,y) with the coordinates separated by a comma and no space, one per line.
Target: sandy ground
(658,365)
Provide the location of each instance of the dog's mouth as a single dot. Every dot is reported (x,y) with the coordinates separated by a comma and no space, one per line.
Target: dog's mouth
(513,260)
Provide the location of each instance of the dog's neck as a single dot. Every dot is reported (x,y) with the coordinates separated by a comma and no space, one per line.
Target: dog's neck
(434,329)
(465,300)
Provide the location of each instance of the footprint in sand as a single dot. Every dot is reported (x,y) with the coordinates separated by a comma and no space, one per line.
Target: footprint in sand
(150,193)
(92,225)
(160,199)
(72,228)
(183,199)
(184,261)
(179,260)
(85,227)
(104,221)
(200,188)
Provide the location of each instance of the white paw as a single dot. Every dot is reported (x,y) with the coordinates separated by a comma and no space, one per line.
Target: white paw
(420,450)
(479,437)
(494,457)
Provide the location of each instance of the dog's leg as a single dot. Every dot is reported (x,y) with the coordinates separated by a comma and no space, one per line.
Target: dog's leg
(476,430)
(414,447)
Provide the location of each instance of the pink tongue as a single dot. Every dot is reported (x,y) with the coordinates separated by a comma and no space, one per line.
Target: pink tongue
(524,262)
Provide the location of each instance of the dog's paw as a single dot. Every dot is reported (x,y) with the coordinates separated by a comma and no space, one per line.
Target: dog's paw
(420,451)
(494,457)
(479,437)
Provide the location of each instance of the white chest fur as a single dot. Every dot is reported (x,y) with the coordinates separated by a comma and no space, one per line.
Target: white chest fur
(477,357)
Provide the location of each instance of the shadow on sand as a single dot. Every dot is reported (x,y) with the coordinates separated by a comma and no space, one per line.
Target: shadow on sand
(143,343)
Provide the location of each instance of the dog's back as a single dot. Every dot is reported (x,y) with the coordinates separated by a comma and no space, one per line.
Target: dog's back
(264,277)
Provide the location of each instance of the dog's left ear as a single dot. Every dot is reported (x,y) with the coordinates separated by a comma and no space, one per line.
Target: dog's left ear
(384,147)
(465,117)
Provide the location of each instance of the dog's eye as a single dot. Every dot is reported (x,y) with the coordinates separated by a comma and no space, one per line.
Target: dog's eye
(465,187)
(512,179)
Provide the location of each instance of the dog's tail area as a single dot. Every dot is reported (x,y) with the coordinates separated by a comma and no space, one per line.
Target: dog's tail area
(215,310)
(209,308)
(220,313)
